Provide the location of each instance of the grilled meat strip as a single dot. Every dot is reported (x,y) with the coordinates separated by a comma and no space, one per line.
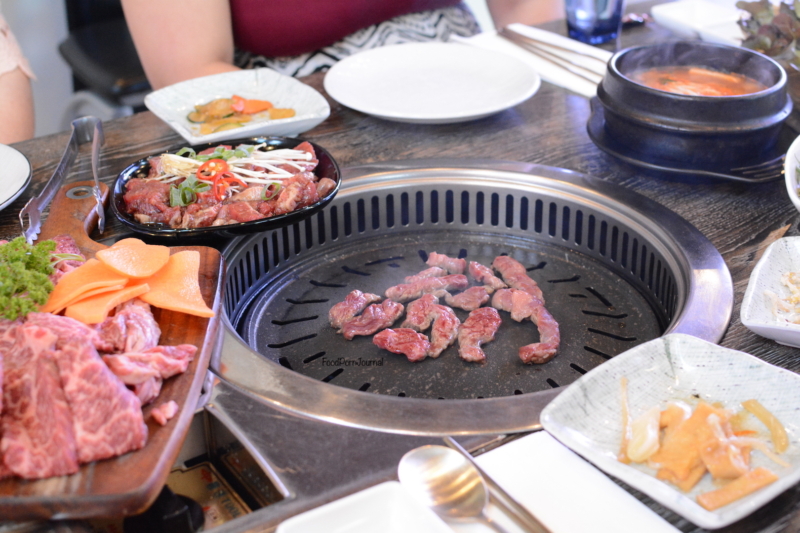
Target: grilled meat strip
(404,341)
(479,327)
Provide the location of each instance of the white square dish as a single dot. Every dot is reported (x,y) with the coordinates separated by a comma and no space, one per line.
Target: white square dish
(757,313)
(691,18)
(173,103)
(790,165)
(387,508)
(587,417)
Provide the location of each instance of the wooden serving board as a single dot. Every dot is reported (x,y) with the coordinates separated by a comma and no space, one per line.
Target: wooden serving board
(127,484)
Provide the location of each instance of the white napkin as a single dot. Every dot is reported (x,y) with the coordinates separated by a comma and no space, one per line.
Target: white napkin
(547,70)
(563,491)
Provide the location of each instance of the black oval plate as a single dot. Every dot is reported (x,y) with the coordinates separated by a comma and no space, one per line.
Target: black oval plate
(327,168)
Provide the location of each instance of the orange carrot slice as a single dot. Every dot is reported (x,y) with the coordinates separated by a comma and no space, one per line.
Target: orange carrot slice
(248,107)
(95,309)
(176,287)
(91,275)
(134,258)
(738,488)
(93,292)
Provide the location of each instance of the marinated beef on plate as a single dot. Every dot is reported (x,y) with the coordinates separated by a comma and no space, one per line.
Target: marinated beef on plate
(516,293)
(225,185)
(67,396)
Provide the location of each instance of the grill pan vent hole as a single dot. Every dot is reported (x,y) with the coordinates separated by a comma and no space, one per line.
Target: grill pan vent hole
(509,211)
(294,320)
(285,363)
(313,357)
(552,219)
(293,341)
(449,207)
(597,352)
(538,216)
(577,368)
(600,297)
(566,280)
(332,375)
(364,387)
(552,383)
(612,335)
(390,211)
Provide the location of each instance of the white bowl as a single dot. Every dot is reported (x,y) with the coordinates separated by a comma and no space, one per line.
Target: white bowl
(387,508)
(587,416)
(757,313)
(171,104)
(790,165)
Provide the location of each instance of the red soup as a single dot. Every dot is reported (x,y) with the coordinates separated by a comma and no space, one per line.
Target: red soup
(696,81)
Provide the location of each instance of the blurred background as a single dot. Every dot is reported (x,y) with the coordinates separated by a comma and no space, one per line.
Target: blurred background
(41,26)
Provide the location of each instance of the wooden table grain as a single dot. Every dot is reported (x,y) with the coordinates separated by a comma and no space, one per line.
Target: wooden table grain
(549,129)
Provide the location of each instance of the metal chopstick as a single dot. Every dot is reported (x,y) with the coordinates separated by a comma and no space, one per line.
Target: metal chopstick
(578,70)
(533,41)
(509,505)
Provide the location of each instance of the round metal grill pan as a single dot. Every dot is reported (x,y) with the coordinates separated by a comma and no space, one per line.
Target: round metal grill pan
(599,314)
(616,270)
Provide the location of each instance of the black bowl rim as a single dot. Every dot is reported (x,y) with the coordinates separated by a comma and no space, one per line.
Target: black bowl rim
(228,230)
(777,86)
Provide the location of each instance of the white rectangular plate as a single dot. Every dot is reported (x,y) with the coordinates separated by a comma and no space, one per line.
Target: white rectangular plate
(387,508)
(587,417)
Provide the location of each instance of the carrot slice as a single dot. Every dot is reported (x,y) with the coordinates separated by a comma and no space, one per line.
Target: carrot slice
(134,258)
(176,287)
(248,107)
(95,309)
(91,275)
(93,292)
(738,488)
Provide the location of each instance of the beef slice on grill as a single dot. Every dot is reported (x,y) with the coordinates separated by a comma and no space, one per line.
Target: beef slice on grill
(38,436)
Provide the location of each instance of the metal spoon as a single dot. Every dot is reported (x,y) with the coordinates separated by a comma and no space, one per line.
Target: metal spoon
(447,483)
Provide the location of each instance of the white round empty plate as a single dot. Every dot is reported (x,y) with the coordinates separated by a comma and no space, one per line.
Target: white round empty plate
(431,83)
(16,174)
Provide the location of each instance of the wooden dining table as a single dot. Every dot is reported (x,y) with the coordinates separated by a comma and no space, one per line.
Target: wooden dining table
(740,219)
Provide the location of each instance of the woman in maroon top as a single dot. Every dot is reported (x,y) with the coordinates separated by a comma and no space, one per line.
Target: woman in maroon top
(183,39)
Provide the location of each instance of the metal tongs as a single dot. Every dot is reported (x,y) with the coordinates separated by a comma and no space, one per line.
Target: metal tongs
(84,129)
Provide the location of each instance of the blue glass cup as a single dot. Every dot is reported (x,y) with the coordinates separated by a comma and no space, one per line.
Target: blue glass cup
(594,21)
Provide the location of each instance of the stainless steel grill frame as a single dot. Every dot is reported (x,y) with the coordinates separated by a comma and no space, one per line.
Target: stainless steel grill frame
(662,257)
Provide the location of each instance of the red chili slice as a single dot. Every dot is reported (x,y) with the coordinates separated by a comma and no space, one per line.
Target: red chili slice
(230,179)
(211,168)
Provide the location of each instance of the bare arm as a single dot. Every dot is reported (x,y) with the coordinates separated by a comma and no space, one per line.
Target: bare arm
(181,39)
(530,12)
(16,107)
